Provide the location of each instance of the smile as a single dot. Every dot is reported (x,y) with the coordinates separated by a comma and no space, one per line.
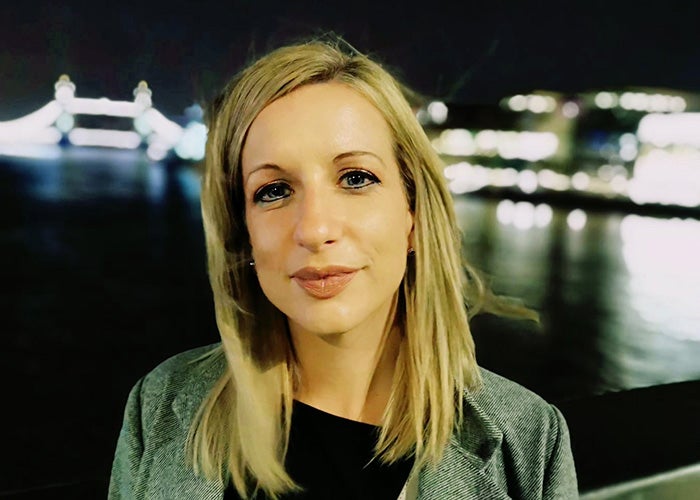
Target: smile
(324,286)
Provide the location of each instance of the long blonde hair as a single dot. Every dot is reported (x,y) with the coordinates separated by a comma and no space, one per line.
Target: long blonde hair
(242,428)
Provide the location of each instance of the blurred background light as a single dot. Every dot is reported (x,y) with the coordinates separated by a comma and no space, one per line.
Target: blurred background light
(606,100)
(21,129)
(65,122)
(667,178)
(527,181)
(543,215)
(518,103)
(537,104)
(524,215)
(576,219)
(580,181)
(553,180)
(661,256)
(103,106)
(438,112)
(570,109)
(104,138)
(193,142)
(455,142)
(663,130)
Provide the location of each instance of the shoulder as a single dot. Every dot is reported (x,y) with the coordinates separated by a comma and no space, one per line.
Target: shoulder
(512,405)
(192,372)
(150,454)
(526,434)
(528,427)
(532,434)
(511,444)
(184,364)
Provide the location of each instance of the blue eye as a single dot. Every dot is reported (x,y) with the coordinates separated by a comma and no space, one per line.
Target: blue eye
(271,192)
(358,179)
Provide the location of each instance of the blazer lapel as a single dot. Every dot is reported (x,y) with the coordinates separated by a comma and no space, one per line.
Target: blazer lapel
(470,467)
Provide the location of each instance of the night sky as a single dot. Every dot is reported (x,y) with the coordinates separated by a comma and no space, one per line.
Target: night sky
(463,52)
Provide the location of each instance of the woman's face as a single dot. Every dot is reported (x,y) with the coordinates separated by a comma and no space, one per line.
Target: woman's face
(326,210)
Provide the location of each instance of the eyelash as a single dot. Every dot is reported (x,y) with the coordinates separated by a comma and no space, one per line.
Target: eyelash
(265,190)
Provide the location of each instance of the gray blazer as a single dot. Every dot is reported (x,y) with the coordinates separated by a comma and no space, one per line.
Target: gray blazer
(513,444)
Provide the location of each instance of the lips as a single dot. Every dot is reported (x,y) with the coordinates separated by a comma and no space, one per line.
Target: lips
(324,283)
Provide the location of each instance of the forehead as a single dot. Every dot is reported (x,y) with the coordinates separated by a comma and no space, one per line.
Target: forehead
(327,118)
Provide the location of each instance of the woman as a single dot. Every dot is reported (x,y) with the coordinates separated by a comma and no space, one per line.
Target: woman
(346,367)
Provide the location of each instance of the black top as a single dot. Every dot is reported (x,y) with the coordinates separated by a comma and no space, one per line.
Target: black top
(328,456)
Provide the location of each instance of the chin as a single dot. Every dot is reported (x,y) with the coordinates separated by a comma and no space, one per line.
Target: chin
(324,323)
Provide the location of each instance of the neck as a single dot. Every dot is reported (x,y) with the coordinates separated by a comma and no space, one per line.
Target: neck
(350,374)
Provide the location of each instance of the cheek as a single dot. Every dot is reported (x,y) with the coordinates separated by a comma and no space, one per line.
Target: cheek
(269,248)
(264,237)
(389,233)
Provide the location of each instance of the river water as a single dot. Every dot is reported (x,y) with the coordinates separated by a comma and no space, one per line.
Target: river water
(103,277)
(96,238)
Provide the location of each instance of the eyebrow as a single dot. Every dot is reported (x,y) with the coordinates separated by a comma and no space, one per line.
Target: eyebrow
(351,154)
(265,166)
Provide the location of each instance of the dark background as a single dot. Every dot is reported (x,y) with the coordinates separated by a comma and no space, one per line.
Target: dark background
(463,51)
(104,274)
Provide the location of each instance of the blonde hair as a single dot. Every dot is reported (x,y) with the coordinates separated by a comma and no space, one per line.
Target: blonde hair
(242,428)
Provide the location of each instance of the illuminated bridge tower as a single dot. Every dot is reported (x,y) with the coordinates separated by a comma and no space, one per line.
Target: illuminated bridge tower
(55,123)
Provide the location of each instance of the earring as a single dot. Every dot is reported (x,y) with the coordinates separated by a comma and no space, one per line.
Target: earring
(411,251)
(251,263)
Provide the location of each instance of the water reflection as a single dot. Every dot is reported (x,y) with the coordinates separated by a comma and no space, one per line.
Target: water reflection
(664,273)
(619,294)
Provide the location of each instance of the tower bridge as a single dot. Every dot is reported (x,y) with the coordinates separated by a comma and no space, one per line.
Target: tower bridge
(55,123)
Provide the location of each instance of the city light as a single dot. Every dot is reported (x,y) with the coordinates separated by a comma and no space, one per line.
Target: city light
(663,130)
(32,151)
(580,181)
(508,144)
(486,140)
(532,146)
(104,138)
(549,179)
(25,128)
(464,177)
(658,164)
(576,219)
(518,103)
(641,102)
(527,181)
(103,106)
(168,131)
(48,135)
(537,104)
(661,256)
(534,103)
(65,122)
(455,142)
(438,112)
(668,178)
(64,90)
(523,215)
(57,119)
(570,110)
(543,215)
(605,100)
(193,142)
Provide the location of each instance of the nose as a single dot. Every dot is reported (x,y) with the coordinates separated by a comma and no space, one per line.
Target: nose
(316,222)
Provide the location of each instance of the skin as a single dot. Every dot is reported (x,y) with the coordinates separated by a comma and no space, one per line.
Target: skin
(322,188)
